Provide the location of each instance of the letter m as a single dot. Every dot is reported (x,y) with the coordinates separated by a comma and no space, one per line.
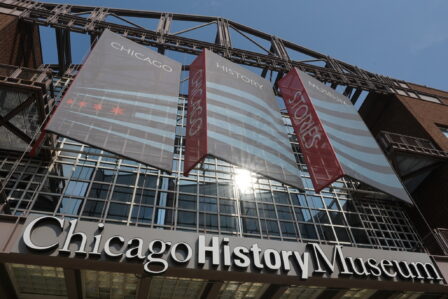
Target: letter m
(321,259)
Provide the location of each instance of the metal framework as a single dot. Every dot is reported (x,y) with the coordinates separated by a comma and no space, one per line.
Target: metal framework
(37,83)
(274,59)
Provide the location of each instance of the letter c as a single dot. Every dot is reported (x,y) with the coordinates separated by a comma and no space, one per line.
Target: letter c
(29,230)
(115,45)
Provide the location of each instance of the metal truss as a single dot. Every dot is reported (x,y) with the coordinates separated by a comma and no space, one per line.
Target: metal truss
(37,83)
(272,55)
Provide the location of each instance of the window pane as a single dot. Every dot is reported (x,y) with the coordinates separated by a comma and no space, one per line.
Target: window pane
(142,214)
(70,206)
(145,196)
(186,219)
(208,204)
(288,229)
(227,206)
(122,194)
(281,197)
(187,202)
(308,231)
(126,178)
(99,191)
(93,208)
(250,225)
(118,211)
(248,208)
(229,223)
(208,221)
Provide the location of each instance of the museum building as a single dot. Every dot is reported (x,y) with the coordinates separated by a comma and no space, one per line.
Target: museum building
(83,220)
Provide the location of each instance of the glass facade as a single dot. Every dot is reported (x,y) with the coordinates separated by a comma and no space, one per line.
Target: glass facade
(90,184)
(217,198)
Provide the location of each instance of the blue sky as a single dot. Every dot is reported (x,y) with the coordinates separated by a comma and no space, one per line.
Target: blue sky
(404,39)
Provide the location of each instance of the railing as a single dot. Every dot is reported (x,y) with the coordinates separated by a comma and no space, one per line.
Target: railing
(442,239)
(393,141)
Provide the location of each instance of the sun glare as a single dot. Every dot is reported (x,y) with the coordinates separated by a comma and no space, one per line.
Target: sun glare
(244,180)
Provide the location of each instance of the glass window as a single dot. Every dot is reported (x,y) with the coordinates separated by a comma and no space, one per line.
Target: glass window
(142,214)
(76,188)
(126,178)
(208,204)
(104,175)
(303,215)
(227,206)
(118,211)
(70,206)
(225,190)
(360,236)
(288,229)
(284,212)
(299,200)
(315,202)
(166,199)
(186,218)
(99,190)
(320,216)
(266,210)
(342,234)
(229,223)
(122,194)
(208,221)
(263,196)
(337,218)
(186,186)
(38,280)
(326,232)
(281,197)
(250,225)
(93,208)
(145,196)
(83,173)
(308,231)
(429,98)
(164,216)
(147,181)
(187,202)
(247,196)
(208,188)
(248,208)
(331,203)
(444,130)
(270,227)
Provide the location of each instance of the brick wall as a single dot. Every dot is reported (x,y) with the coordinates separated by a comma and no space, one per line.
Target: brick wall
(19,42)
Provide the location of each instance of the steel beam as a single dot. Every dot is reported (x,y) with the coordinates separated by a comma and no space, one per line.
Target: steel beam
(70,18)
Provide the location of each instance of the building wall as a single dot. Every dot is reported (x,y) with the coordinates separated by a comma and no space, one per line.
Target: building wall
(389,113)
(429,115)
(417,118)
(20,43)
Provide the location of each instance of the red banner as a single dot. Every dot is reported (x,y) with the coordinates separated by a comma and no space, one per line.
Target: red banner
(196,135)
(323,166)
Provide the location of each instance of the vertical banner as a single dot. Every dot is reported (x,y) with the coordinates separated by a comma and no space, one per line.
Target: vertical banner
(240,121)
(196,130)
(320,157)
(124,100)
(338,133)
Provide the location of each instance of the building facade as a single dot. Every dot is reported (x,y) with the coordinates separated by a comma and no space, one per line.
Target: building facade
(81,222)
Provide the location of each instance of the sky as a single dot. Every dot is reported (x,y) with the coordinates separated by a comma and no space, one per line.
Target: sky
(403,39)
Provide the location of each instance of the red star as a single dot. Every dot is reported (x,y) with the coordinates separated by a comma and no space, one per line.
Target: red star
(69,101)
(82,104)
(97,107)
(117,110)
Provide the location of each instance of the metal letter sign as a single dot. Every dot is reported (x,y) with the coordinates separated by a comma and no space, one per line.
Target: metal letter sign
(124,100)
(333,137)
(233,115)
